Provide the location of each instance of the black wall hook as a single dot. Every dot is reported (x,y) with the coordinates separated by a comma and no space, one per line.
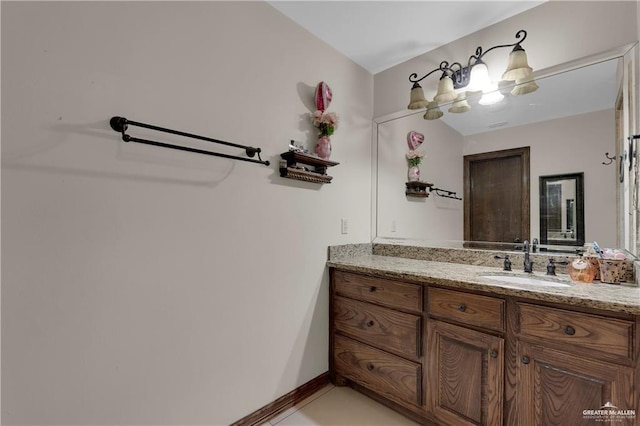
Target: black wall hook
(611,159)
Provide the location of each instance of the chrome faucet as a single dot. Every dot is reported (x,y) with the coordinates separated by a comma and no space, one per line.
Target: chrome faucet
(528,264)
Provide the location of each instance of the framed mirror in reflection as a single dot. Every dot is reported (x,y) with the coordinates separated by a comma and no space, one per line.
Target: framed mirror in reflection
(562,210)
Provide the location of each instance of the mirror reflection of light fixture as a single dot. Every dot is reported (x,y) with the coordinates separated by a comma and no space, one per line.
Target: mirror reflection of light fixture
(491,95)
(524,86)
(433,111)
(460,104)
(456,79)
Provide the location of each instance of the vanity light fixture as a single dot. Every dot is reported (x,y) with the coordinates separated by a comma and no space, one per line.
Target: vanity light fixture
(456,81)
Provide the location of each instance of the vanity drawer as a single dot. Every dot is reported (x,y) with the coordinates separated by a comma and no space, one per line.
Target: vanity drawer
(608,336)
(394,331)
(393,294)
(379,371)
(474,309)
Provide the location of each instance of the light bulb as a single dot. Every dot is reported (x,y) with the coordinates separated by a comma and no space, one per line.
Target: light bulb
(479,78)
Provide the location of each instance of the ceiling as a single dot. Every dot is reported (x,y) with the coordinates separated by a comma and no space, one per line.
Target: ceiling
(380,34)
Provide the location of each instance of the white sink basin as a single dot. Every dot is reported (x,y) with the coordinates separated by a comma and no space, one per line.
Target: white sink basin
(527,280)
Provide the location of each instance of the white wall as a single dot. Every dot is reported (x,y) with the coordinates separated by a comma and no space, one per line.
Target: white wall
(566,145)
(149,286)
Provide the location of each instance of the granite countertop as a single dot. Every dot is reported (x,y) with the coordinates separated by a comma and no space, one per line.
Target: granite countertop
(611,297)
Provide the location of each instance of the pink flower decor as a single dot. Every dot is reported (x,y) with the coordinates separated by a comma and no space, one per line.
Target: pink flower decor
(327,122)
(414,158)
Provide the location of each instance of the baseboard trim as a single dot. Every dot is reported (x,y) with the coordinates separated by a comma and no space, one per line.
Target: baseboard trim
(276,407)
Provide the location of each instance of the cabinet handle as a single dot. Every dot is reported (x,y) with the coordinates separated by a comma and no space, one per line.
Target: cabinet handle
(493,353)
(568,330)
(370,324)
(525,360)
(462,307)
(372,288)
(370,367)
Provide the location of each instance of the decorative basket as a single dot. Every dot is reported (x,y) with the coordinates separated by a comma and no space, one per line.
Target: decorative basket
(612,271)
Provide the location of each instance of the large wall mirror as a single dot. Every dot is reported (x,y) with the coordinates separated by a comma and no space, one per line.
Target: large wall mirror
(569,123)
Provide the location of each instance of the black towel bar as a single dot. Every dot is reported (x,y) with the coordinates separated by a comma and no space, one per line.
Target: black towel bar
(444,193)
(120,124)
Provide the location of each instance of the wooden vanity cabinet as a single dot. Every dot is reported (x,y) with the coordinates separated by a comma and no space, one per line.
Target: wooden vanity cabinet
(464,366)
(376,337)
(567,362)
(455,357)
(555,387)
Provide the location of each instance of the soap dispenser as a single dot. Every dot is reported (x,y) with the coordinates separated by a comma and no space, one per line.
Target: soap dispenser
(581,270)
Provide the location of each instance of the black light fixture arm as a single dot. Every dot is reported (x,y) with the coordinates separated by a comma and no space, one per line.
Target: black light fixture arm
(459,73)
(120,124)
(479,53)
(444,68)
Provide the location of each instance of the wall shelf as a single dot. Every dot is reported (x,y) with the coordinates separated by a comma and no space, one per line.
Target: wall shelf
(418,189)
(308,168)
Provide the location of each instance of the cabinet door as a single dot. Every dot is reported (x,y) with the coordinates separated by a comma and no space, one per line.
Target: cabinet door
(557,388)
(465,375)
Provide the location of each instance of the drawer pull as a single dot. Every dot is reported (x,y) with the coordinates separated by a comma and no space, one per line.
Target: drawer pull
(370,324)
(525,360)
(370,367)
(462,307)
(373,288)
(570,331)
(493,353)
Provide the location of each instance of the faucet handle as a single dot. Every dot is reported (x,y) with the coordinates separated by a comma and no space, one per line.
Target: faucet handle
(551,267)
(506,266)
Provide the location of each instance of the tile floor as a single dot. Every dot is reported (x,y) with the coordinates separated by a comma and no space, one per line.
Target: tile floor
(339,406)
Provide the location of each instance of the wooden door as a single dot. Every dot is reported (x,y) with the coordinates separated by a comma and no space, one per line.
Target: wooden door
(557,388)
(465,375)
(496,202)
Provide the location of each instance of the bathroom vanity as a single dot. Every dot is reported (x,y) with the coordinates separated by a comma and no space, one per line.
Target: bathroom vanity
(443,344)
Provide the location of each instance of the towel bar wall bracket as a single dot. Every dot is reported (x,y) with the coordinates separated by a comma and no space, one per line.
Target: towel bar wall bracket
(121,124)
(444,193)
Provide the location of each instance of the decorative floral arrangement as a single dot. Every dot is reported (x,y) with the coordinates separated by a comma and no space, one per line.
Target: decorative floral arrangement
(414,158)
(326,122)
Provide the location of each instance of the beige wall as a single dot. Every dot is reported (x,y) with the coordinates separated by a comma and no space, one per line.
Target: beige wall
(434,218)
(566,145)
(558,32)
(150,286)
